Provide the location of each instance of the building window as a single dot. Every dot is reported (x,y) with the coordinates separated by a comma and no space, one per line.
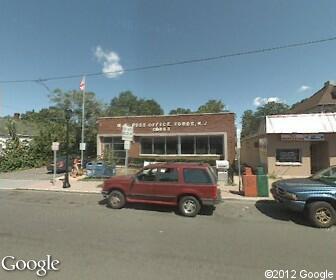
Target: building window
(187,145)
(288,155)
(171,145)
(202,144)
(216,145)
(117,144)
(190,145)
(146,145)
(159,145)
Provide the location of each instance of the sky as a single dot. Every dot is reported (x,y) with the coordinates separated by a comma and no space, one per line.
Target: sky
(45,38)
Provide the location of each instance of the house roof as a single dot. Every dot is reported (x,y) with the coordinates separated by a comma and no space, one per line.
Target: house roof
(325,96)
(23,128)
(301,123)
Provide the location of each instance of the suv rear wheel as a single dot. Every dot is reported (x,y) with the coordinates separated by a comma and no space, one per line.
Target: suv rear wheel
(322,214)
(116,199)
(189,206)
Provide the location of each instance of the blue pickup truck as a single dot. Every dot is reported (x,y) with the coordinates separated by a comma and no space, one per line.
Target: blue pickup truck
(316,196)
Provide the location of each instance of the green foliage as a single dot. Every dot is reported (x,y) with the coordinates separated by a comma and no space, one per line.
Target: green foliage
(109,157)
(127,104)
(180,111)
(251,120)
(212,106)
(18,154)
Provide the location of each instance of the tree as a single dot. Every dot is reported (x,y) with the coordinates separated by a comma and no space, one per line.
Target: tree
(212,106)
(149,107)
(249,123)
(127,104)
(272,108)
(18,154)
(93,109)
(251,120)
(180,111)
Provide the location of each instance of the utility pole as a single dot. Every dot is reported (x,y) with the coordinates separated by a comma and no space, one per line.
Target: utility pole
(82,87)
(66,183)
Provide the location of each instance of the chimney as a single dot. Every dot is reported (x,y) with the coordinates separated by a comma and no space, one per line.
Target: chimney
(331,83)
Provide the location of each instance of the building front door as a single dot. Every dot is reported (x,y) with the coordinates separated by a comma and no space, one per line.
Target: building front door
(319,156)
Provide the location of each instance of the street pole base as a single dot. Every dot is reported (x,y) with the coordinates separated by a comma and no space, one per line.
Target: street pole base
(66,185)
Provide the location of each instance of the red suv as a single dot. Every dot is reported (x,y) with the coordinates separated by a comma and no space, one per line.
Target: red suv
(190,186)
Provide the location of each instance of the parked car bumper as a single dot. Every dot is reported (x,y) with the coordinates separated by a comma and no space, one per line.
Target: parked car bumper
(211,201)
(293,205)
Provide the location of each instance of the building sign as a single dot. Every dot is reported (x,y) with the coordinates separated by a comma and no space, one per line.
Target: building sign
(302,137)
(165,126)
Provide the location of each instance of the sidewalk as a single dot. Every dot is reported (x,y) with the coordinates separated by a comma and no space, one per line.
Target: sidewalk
(78,185)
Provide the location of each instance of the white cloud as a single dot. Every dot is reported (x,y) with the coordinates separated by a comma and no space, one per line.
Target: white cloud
(304,88)
(110,61)
(259,101)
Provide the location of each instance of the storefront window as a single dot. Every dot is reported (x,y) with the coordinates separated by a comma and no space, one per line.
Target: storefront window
(159,145)
(146,145)
(288,155)
(107,140)
(190,145)
(202,144)
(187,145)
(171,145)
(118,144)
(216,145)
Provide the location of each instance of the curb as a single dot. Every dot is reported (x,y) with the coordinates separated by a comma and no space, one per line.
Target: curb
(252,199)
(57,190)
(224,198)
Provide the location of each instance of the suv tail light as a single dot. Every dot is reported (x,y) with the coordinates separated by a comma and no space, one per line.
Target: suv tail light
(214,192)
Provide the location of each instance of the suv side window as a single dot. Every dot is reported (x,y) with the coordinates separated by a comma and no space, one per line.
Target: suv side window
(196,176)
(147,175)
(167,175)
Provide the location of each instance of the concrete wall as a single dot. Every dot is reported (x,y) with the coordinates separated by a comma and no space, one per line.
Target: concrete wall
(249,152)
(284,169)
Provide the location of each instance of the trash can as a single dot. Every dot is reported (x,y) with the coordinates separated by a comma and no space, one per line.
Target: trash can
(100,169)
(262,182)
(249,183)
(89,169)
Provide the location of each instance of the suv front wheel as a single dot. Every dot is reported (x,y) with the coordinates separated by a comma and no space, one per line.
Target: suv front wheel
(322,214)
(116,199)
(189,206)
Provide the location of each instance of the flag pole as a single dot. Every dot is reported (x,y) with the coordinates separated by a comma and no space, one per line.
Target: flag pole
(83,122)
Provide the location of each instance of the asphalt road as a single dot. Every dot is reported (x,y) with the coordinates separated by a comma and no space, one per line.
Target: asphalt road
(239,241)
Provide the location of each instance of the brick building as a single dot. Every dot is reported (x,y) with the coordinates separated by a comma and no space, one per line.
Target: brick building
(171,136)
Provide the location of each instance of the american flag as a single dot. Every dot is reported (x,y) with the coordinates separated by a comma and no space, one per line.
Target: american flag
(82,84)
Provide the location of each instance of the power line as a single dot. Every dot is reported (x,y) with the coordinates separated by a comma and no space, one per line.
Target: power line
(197,60)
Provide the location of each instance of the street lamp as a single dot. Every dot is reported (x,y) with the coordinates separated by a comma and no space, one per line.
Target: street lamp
(66,183)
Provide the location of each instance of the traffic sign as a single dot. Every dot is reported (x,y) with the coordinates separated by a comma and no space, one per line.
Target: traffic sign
(127,145)
(55,146)
(82,146)
(127,133)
